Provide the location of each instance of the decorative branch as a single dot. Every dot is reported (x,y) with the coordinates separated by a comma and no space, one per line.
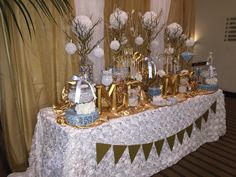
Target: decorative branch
(151,24)
(84,37)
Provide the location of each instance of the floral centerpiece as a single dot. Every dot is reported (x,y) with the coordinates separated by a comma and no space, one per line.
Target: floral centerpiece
(178,42)
(117,31)
(151,24)
(175,42)
(83,29)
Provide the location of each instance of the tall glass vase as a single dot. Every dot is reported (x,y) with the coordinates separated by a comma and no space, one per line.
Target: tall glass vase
(187,56)
(86,68)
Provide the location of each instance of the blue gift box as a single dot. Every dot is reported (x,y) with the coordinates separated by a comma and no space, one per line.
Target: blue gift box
(75,119)
(213,87)
(154,91)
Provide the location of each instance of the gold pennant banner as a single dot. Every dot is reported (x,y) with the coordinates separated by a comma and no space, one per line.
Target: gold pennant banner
(213,107)
(133,150)
(118,152)
(189,130)
(180,136)
(198,123)
(171,141)
(102,149)
(205,115)
(159,145)
(147,149)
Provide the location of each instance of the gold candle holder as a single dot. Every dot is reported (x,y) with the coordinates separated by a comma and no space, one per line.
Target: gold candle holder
(113,93)
(99,98)
(165,85)
(175,83)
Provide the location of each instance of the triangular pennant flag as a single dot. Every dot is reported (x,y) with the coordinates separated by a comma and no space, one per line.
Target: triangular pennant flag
(205,115)
(101,150)
(133,150)
(198,123)
(118,152)
(189,130)
(171,141)
(147,149)
(213,107)
(158,145)
(180,136)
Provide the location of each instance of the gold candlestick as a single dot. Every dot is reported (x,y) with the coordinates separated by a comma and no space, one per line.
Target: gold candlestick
(99,98)
(165,85)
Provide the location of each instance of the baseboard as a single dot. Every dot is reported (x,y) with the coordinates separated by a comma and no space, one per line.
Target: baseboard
(229,94)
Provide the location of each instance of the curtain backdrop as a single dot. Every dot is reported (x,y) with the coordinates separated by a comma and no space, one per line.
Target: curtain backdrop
(183,12)
(32,77)
(33,72)
(156,6)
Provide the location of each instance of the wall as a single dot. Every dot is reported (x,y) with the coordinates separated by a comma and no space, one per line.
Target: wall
(210,26)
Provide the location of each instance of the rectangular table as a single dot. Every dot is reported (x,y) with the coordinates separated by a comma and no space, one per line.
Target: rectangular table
(64,151)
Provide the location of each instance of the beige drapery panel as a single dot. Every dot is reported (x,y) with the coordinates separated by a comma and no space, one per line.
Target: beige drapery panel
(34,74)
(31,77)
(126,5)
(183,12)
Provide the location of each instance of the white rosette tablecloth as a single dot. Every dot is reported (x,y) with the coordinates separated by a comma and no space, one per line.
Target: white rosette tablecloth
(64,151)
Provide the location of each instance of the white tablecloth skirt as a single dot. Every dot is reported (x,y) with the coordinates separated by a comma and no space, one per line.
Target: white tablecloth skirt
(59,151)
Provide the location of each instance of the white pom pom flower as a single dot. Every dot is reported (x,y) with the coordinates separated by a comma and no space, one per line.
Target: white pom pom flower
(149,19)
(81,24)
(98,52)
(139,40)
(85,108)
(70,48)
(115,45)
(174,30)
(190,42)
(118,19)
